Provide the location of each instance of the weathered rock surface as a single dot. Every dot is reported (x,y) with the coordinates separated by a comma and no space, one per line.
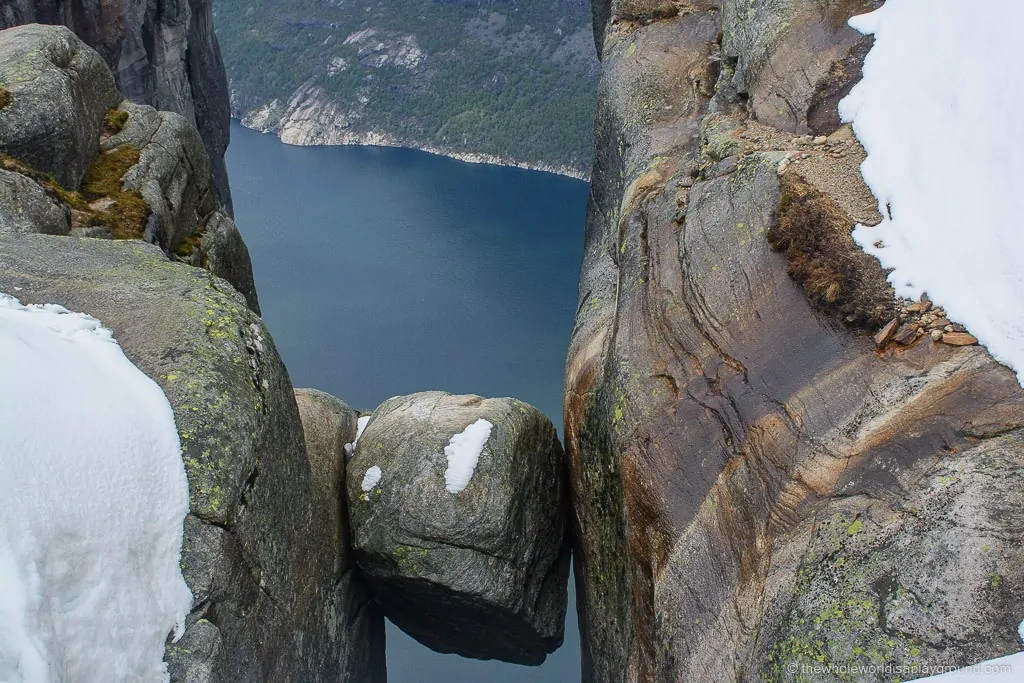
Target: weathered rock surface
(481,572)
(354,622)
(60,91)
(163,54)
(170,175)
(26,208)
(754,484)
(273,601)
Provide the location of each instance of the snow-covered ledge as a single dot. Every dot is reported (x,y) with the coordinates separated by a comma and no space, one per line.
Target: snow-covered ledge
(94,495)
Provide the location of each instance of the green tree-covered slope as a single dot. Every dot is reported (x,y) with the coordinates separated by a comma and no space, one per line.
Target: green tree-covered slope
(514,79)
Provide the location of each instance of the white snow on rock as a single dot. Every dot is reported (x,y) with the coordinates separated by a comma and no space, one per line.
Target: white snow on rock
(370,479)
(1003,670)
(1020,631)
(93,496)
(940,120)
(463,452)
(350,448)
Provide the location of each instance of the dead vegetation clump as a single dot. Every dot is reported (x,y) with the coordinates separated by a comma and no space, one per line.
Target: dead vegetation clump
(836,274)
(102,201)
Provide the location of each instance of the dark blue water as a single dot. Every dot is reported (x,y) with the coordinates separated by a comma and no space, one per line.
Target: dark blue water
(384,272)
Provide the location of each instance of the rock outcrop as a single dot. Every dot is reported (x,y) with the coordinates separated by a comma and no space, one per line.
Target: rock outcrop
(349,616)
(116,170)
(59,92)
(756,487)
(459,511)
(26,208)
(275,598)
(162,54)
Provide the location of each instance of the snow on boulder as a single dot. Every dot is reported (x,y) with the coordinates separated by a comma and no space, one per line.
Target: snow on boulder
(459,513)
(94,497)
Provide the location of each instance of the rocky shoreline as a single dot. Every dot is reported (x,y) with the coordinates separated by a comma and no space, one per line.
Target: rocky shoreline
(379,139)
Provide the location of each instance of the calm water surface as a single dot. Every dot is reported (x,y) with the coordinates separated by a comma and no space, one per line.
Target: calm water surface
(384,272)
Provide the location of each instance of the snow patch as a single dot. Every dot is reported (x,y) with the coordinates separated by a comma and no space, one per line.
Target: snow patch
(361,423)
(94,496)
(1020,631)
(370,479)
(940,126)
(463,452)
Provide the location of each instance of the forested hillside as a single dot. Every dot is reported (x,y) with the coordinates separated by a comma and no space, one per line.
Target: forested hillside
(513,79)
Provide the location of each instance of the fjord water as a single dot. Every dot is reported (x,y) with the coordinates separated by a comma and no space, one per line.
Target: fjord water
(384,272)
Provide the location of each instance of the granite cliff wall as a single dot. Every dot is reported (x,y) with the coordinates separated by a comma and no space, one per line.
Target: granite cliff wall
(759,481)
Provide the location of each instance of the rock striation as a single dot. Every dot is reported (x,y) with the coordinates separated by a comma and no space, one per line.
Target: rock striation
(161,54)
(757,485)
(459,509)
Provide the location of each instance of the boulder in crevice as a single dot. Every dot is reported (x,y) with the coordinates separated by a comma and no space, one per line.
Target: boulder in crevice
(458,508)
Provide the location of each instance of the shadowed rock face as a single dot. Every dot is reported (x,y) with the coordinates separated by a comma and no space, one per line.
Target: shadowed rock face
(480,571)
(275,598)
(754,483)
(163,54)
(355,623)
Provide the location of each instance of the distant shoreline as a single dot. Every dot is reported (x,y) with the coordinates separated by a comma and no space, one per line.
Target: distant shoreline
(375,139)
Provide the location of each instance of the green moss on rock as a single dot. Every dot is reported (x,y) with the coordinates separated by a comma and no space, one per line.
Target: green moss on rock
(113,122)
(127,213)
(5,98)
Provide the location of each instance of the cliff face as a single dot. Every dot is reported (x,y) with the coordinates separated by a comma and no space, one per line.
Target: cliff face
(163,54)
(756,483)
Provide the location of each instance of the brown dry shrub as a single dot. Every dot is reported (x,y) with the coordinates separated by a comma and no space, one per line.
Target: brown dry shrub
(835,273)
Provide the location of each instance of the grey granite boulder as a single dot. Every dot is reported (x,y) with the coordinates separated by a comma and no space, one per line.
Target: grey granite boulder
(262,564)
(329,423)
(25,207)
(60,90)
(467,559)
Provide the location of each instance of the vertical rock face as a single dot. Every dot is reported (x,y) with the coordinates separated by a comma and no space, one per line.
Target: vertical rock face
(354,623)
(756,487)
(458,507)
(163,54)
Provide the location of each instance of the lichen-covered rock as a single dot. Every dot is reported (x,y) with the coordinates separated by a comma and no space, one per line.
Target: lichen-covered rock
(356,622)
(25,207)
(60,90)
(163,55)
(756,486)
(482,570)
(253,552)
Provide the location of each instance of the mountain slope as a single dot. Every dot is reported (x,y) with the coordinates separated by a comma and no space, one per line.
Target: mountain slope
(511,79)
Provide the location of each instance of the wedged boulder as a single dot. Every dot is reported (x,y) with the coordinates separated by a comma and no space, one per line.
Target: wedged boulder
(262,565)
(59,92)
(25,207)
(329,423)
(458,508)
